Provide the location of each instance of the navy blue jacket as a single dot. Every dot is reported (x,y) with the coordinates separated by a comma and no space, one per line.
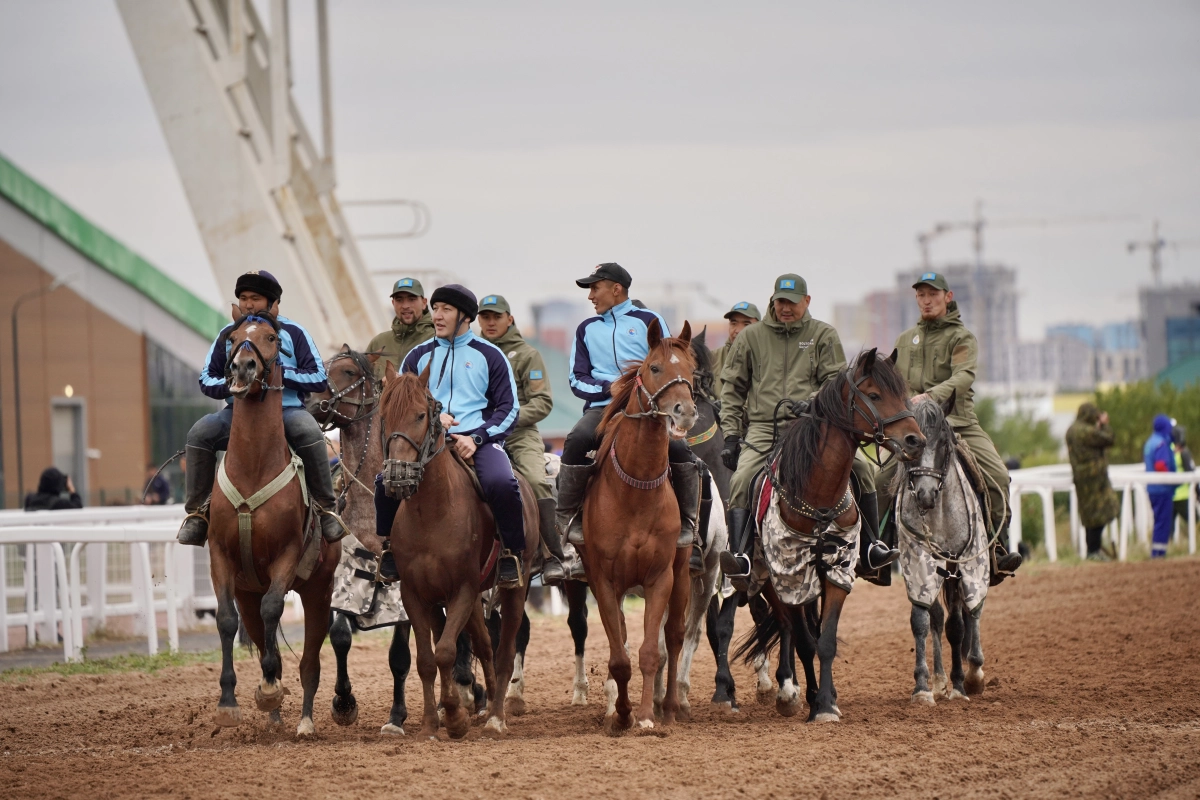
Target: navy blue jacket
(303,372)
(606,344)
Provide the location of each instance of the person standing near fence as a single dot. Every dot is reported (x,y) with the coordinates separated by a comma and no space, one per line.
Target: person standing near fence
(1159,456)
(1088,440)
(1183,463)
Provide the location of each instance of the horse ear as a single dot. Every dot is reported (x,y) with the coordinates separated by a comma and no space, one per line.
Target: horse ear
(654,334)
(699,337)
(686,334)
(868,361)
(948,405)
(389,372)
(895,354)
(425,374)
(235,312)
(345,348)
(373,357)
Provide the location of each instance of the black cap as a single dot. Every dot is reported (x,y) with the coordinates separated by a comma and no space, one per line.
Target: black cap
(608,271)
(458,296)
(260,282)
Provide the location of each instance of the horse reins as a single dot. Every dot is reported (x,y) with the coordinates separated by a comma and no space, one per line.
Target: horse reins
(401,478)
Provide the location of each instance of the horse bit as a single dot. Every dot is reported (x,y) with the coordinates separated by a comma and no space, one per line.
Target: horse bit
(401,478)
(267,366)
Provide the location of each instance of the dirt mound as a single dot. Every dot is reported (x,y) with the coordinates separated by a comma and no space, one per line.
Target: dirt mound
(1093,690)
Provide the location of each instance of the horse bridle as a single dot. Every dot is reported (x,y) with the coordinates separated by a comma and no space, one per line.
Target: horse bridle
(267,365)
(401,478)
(366,405)
(652,399)
(931,472)
(878,434)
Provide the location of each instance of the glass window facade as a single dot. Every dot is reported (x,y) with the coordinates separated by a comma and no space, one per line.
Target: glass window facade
(175,404)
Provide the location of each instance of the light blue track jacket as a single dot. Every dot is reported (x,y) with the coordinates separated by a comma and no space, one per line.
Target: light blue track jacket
(606,344)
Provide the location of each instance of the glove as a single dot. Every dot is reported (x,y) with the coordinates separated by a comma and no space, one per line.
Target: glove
(729,456)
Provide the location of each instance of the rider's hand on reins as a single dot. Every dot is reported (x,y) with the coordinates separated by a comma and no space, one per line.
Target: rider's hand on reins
(463,445)
(448,421)
(729,455)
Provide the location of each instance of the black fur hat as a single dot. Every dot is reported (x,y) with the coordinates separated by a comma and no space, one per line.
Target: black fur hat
(458,296)
(260,282)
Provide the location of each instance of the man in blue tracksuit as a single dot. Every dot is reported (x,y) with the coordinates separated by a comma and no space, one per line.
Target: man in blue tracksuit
(303,374)
(473,381)
(604,345)
(1159,456)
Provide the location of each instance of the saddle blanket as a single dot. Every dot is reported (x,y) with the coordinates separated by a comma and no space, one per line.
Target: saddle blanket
(789,559)
(355,592)
(925,573)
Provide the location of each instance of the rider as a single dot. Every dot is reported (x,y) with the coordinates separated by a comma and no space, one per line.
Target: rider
(740,317)
(410,326)
(604,345)
(303,372)
(937,358)
(788,355)
(472,380)
(524,445)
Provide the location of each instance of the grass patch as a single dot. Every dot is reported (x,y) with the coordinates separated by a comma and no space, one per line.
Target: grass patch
(123,663)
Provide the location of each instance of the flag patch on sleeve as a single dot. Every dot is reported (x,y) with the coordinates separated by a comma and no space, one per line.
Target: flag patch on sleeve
(535,374)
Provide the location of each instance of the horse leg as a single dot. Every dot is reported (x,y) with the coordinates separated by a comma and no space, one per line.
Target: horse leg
(787,696)
(512,617)
(345,707)
(316,615)
(801,643)
(826,708)
(681,626)
(617,715)
(658,595)
(421,617)
(577,614)
(228,713)
(479,631)
(974,653)
(954,634)
(700,591)
(918,620)
(514,697)
(269,694)
(399,661)
(937,627)
(759,611)
(458,611)
(473,696)
(720,619)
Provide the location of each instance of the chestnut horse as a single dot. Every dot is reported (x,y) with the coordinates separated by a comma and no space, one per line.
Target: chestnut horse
(443,538)
(810,472)
(631,523)
(258,569)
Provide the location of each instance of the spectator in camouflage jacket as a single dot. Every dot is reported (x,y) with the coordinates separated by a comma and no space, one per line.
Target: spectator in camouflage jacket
(1088,440)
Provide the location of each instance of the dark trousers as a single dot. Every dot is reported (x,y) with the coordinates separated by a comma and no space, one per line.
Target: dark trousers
(500,489)
(211,431)
(582,439)
(1093,538)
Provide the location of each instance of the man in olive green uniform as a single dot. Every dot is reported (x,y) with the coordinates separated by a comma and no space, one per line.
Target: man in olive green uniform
(524,445)
(1088,440)
(411,326)
(937,358)
(789,354)
(740,317)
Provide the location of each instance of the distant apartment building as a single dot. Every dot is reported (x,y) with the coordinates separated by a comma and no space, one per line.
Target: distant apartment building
(1170,324)
(1080,357)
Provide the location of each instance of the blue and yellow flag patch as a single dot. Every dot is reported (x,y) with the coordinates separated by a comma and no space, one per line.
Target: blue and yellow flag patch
(535,374)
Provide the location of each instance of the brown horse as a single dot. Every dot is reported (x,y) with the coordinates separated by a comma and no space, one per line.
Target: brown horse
(257,568)
(444,538)
(810,474)
(631,522)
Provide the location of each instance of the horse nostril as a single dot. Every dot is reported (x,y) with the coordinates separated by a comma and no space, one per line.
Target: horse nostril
(913,442)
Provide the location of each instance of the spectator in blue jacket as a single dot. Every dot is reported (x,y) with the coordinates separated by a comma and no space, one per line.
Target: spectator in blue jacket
(604,346)
(1159,455)
(473,381)
(258,292)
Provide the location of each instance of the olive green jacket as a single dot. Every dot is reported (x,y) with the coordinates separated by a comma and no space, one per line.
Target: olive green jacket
(533,385)
(395,344)
(770,361)
(719,357)
(1087,446)
(938,357)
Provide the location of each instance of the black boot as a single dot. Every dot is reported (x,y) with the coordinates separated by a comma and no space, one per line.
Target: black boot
(201,470)
(1004,563)
(735,562)
(385,514)
(320,487)
(685,480)
(552,567)
(572,485)
(508,570)
(874,555)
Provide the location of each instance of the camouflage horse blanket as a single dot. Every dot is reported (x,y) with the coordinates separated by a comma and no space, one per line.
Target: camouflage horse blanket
(926,567)
(794,561)
(355,592)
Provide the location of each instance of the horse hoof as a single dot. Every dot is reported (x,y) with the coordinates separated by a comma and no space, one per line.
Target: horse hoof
(684,714)
(228,716)
(457,723)
(514,706)
(494,728)
(271,699)
(955,694)
(305,729)
(827,716)
(974,683)
(345,710)
(787,708)
(764,694)
(579,698)
(391,730)
(611,726)
(923,698)
(646,724)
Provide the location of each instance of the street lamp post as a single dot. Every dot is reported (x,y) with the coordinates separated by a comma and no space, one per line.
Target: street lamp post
(57,282)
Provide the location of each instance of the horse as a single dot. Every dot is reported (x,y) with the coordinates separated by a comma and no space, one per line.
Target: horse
(809,541)
(631,523)
(943,550)
(444,538)
(351,404)
(258,549)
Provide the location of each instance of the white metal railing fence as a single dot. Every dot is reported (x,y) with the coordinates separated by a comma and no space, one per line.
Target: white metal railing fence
(1135,518)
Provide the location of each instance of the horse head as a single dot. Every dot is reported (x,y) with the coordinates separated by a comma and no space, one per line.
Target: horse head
(878,402)
(253,354)
(352,389)
(927,474)
(664,380)
(412,431)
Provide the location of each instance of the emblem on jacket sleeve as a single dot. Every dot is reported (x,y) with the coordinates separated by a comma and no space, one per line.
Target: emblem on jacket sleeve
(535,374)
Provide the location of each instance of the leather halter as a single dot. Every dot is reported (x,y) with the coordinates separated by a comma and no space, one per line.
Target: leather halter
(401,478)
(366,404)
(652,399)
(267,365)
(877,436)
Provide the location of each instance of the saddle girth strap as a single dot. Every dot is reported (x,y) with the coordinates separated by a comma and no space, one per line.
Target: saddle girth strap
(294,468)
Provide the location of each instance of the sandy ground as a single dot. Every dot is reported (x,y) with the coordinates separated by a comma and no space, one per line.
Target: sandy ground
(1094,690)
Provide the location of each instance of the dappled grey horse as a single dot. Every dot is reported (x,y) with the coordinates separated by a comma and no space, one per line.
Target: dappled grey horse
(943,551)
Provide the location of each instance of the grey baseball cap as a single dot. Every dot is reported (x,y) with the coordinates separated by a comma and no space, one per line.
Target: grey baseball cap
(790,287)
(746,309)
(408,286)
(496,303)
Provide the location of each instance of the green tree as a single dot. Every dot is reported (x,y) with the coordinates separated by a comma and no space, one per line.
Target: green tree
(1019,435)
(1131,410)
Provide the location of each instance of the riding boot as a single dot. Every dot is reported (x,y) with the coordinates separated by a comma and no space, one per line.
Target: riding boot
(552,567)
(735,562)
(1004,563)
(685,480)
(874,555)
(572,486)
(696,562)
(320,488)
(508,570)
(202,468)
(385,514)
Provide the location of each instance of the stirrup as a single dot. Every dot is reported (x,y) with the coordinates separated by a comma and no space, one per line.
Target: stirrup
(735,565)
(696,560)
(879,555)
(194,539)
(553,572)
(385,565)
(325,514)
(513,578)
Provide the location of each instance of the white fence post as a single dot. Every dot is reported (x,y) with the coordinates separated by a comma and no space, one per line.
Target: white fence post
(3,598)
(44,578)
(97,579)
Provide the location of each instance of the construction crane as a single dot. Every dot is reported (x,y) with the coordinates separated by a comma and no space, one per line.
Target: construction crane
(1155,245)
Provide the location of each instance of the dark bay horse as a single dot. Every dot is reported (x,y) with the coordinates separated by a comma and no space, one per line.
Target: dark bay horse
(444,539)
(631,523)
(255,568)
(810,473)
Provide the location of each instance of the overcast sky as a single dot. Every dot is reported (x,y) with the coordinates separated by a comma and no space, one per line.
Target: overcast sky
(718,142)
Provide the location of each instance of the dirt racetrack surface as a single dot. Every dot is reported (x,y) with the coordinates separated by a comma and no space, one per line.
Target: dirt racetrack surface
(1094,691)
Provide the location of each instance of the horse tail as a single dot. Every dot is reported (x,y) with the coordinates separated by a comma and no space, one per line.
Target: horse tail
(760,641)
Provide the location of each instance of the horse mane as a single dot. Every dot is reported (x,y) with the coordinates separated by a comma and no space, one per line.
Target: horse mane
(799,445)
(363,363)
(624,387)
(403,389)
